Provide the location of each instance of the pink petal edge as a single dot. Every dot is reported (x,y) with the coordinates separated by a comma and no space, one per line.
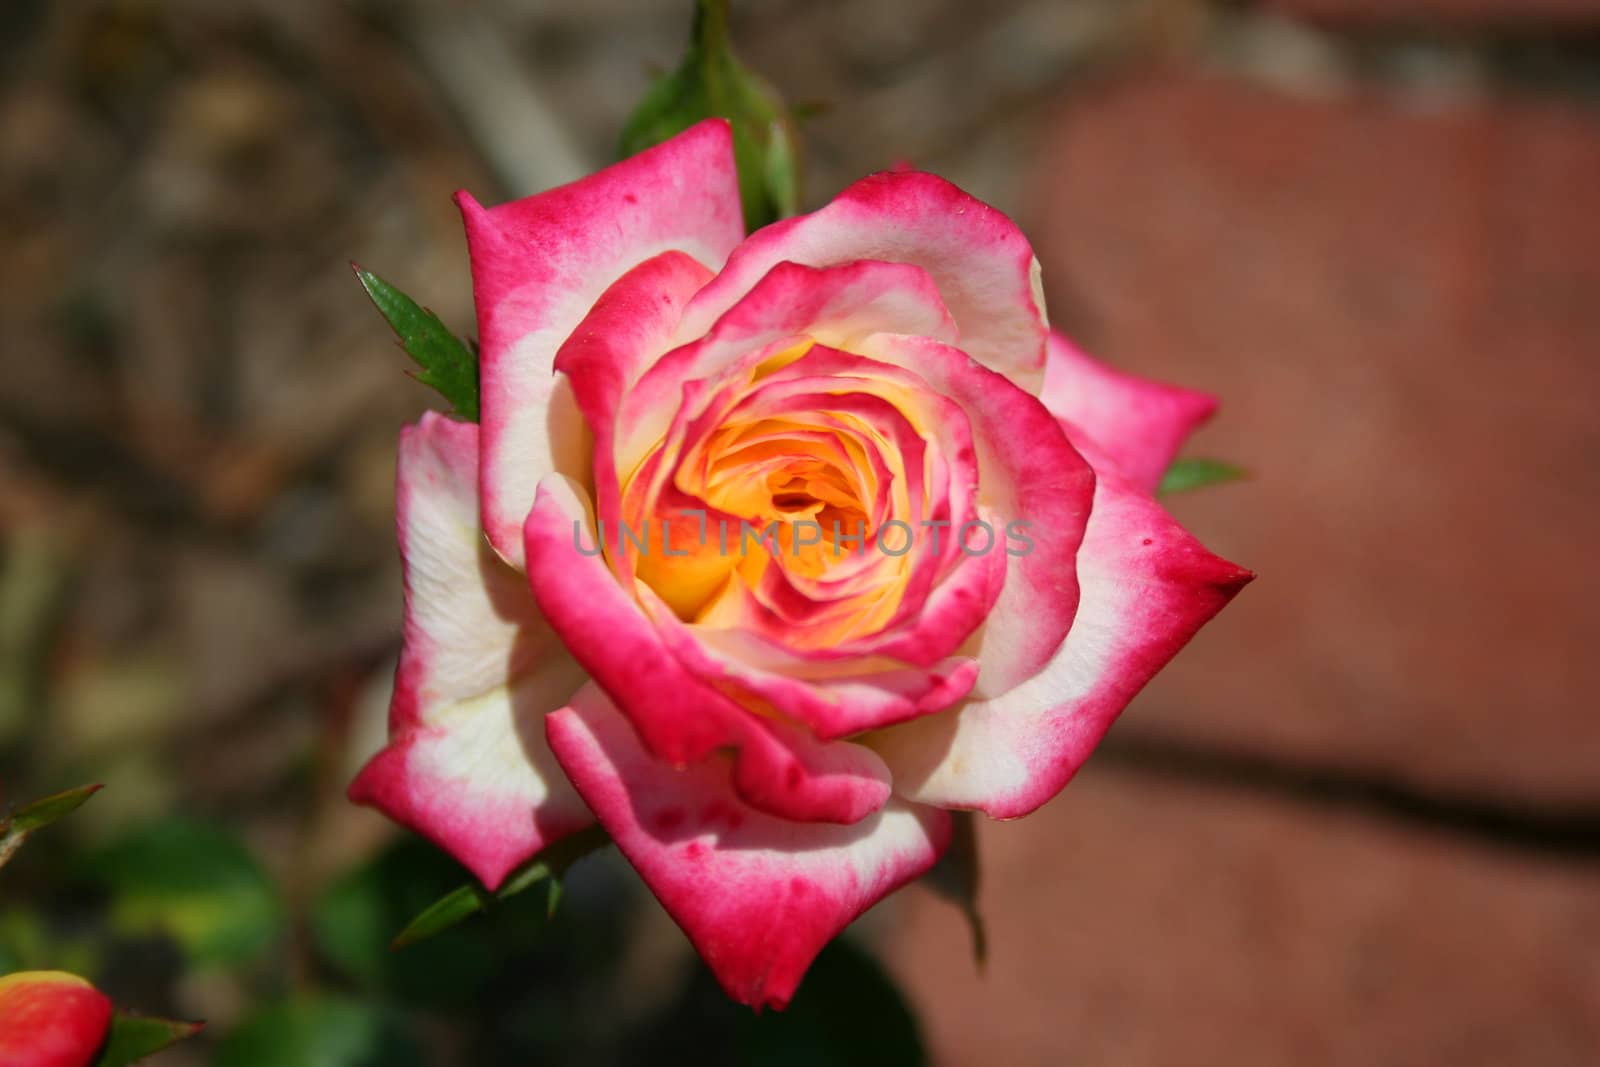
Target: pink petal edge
(538,266)
(1147,587)
(980,261)
(1138,423)
(466,765)
(758,896)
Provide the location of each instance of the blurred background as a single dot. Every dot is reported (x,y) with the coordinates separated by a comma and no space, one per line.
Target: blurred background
(1357,821)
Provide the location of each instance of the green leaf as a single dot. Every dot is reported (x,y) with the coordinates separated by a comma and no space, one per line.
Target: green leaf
(712,82)
(544,870)
(39,814)
(195,883)
(318,1032)
(448,365)
(443,914)
(1187,474)
(133,1037)
(955,877)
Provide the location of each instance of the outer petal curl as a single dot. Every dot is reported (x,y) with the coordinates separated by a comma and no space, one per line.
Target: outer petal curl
(467,765)
(839,305)
(539,264)
(1146,587)
(1031,473)
(758,896)
(983,266)
(1137,423)
(627,328)
(864,696)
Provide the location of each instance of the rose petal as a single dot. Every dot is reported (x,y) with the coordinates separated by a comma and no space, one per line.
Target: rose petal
(834,701)
(538,266)
(939,597)
(467,766)
(1140,424)
(780,769)
(758,896)
(1028,473)
(982,264)
(838,306)
(627,328)
(478,779)
(1146,587)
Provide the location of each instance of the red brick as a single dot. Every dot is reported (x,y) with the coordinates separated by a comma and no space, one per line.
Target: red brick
(1401,311)
(1480,12)
(1135,922)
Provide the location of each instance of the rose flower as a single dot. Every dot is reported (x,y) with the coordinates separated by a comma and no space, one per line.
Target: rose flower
(769,551)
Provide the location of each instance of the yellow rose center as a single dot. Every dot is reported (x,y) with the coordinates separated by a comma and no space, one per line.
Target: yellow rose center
(796,490)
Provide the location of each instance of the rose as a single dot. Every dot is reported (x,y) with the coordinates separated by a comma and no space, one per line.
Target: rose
(772,734)
(51,1019)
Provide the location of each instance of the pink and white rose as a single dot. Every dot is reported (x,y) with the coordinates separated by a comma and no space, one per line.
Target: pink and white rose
(964,576)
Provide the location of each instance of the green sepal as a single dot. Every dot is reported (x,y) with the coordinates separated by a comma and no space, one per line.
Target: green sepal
(544,870)
(133,1037)
(43,812)
(711,82)
(40,813)
(447,364)
(1187,474)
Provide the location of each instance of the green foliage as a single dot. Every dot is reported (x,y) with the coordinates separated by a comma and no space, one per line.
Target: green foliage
(29,941)
(712,82)
(195,883)
(443,913)
(543,871)
(446,363)
(33,817)
(133,1037)
(955,877)
(353,920)
(318,1032)
(1187,474)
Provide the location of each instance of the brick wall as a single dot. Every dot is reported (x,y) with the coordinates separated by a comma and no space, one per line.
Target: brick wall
(1358,820)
